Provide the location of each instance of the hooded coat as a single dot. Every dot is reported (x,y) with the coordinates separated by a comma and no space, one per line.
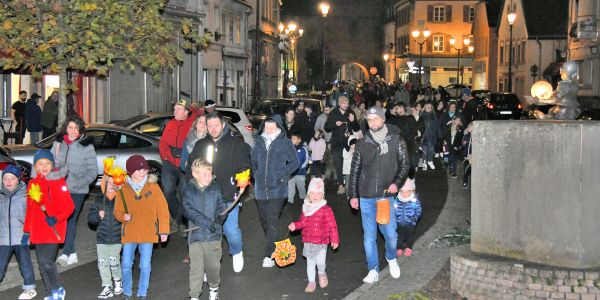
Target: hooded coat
(79,160)
(12,215)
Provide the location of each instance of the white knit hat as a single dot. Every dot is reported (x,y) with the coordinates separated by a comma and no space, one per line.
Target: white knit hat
(409,185)
(316,185)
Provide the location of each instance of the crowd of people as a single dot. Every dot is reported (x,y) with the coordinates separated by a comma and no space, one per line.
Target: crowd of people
(369,150)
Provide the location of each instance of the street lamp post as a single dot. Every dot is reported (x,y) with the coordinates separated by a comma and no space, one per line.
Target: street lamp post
(421,37)
(466,43)
(290,33)
(385,58)
(324,7)
(511,20)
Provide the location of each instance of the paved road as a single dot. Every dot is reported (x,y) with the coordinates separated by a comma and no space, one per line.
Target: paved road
(345,267)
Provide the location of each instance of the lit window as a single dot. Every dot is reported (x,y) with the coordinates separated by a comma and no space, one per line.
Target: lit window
(439,13)
(438,43)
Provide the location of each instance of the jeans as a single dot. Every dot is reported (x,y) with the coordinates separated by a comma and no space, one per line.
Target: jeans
(452,161)
(297,181)
(69,247)
(171,178)
(268,213)
(467,173)
(428,152)
(338,162)
(368,211)
(317,169)
(127,257)
(34,137)
(232,231)
(46,256)
(24,260)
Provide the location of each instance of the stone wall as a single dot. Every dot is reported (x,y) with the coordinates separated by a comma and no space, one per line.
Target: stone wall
(479,276)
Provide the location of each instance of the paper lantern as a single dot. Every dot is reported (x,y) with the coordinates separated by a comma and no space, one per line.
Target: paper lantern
(285,253)
(542,90)
(383,211)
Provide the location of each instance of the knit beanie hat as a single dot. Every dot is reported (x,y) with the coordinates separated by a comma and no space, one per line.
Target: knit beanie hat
(316,185)
(12,169)
(209,103)
(409,185)
(43,153)
(136,162)
(377,111)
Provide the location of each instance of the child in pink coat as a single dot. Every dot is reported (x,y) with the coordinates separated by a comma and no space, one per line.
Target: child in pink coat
(319,229)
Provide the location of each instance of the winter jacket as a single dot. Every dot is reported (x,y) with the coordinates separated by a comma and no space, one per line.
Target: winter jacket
(371,173)
(320,124)
(149,214)
(201,207)
(231,156)
(33,115)
(294,128)
(318,228)
(188,147)
(273,167)
(173,137)
(407,213)
(303,125)
(317,149)
(49,119)
(445,119)
(303,159)
(59,204)
(12,215)
(338,133)
(467,145)
(454,146)
(79,159)
(108,229)
(429,128)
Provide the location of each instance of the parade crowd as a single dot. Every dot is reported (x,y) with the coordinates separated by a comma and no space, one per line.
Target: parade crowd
(369,142)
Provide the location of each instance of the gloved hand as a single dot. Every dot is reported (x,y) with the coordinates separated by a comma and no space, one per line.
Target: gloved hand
(220,219)
(25,240)
(51,221)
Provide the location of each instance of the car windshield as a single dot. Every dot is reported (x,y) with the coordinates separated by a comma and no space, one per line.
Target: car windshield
(130,121)
(505,98)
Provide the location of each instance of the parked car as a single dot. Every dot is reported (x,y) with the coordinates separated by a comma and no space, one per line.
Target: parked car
(502,106)
(267,107)
(6,159)
(240,120)
(109,140)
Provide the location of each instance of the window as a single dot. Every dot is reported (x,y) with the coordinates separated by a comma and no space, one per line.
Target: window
(471,13)
(153,127)
(223,26)
(501,55)
(230,32)
(104,139)
(518,54)
(238,30)
(438,43)
(523,51)
(128,141)
(438,13)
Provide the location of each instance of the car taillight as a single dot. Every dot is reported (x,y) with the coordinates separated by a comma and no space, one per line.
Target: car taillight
(248,127)
(490,106)
(519,106)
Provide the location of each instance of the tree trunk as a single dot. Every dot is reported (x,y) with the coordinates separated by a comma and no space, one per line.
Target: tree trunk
(62,102)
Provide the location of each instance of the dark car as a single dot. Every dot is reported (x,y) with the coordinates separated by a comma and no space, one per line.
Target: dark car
(502,106)
(267,107)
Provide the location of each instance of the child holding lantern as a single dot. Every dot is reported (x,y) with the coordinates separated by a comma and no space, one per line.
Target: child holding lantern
(108,231)
(142,209)
(319,228)
(49,205)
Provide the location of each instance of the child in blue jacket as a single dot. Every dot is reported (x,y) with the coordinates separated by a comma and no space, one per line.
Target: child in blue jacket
(408,213)
(298,178)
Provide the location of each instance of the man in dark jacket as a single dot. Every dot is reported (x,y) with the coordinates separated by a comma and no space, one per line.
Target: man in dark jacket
(408,130)
(50,115)
(229,155)
(379,168)
(274,159)
(341,122)
(33,117)
(302,122)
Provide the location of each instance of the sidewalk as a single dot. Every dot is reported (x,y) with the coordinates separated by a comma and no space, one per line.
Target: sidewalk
(86,250)
(418,269)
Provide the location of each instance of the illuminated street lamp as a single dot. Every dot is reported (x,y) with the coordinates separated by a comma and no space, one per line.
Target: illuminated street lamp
(324,8)
(466,43)
(511,20)
(290,33)
(421,37)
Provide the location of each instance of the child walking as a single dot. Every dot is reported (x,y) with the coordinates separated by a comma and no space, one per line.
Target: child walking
(49,205)
(347,154)
(319,229)
(317,147)
(298,178)
(142,209)
(408,212)
(13,204)
(202,205)
(108,240)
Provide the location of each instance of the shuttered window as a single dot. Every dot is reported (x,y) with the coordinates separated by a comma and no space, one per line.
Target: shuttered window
(438,43)
(439,13)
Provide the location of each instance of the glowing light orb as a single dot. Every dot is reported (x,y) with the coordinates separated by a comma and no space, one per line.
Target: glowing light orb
(541,89)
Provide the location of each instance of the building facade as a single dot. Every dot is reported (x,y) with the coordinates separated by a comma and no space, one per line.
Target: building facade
(584,47)
(485,43)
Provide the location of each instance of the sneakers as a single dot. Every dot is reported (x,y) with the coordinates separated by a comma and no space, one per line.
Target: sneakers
(213,294)
(372,277)
(268,262)
(424,167)
(63,260)
(194,298)
(59,294)
(394,268)
(28,294)
(118,290)
(238,262)
(106,292)
(431,165)
(72,259)
(205,279)
(323,281)
(437,155)
(341,190)
(454,175)
(310,287)
(407,252)
(465,185)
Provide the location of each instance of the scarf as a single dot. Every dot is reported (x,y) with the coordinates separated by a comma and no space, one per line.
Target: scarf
(8,192)
(380,138)
(410,198)
(137,187)
(309,208)
(269,138)
(67,140)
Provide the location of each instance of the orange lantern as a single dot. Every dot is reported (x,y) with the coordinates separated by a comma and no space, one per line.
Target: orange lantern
(383,211)
(285,253)
(118,175)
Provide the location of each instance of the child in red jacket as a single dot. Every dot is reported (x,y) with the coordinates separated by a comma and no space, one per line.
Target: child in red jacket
(318,230)
(49,205)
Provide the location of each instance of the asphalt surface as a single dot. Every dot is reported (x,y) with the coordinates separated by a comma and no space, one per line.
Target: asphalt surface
(345,267)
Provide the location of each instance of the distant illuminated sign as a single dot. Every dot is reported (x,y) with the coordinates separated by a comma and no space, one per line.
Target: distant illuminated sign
(373,70)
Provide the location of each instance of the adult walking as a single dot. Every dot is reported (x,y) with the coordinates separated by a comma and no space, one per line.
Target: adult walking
(430,132)
(18,115)
(379,164)
(74,151)
(274,159)
(229,155)
(341,122)
(50,115)
(33,116)
(197,132)
(171,148)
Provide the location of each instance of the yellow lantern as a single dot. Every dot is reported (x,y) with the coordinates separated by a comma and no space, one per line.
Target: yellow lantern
(542,90)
